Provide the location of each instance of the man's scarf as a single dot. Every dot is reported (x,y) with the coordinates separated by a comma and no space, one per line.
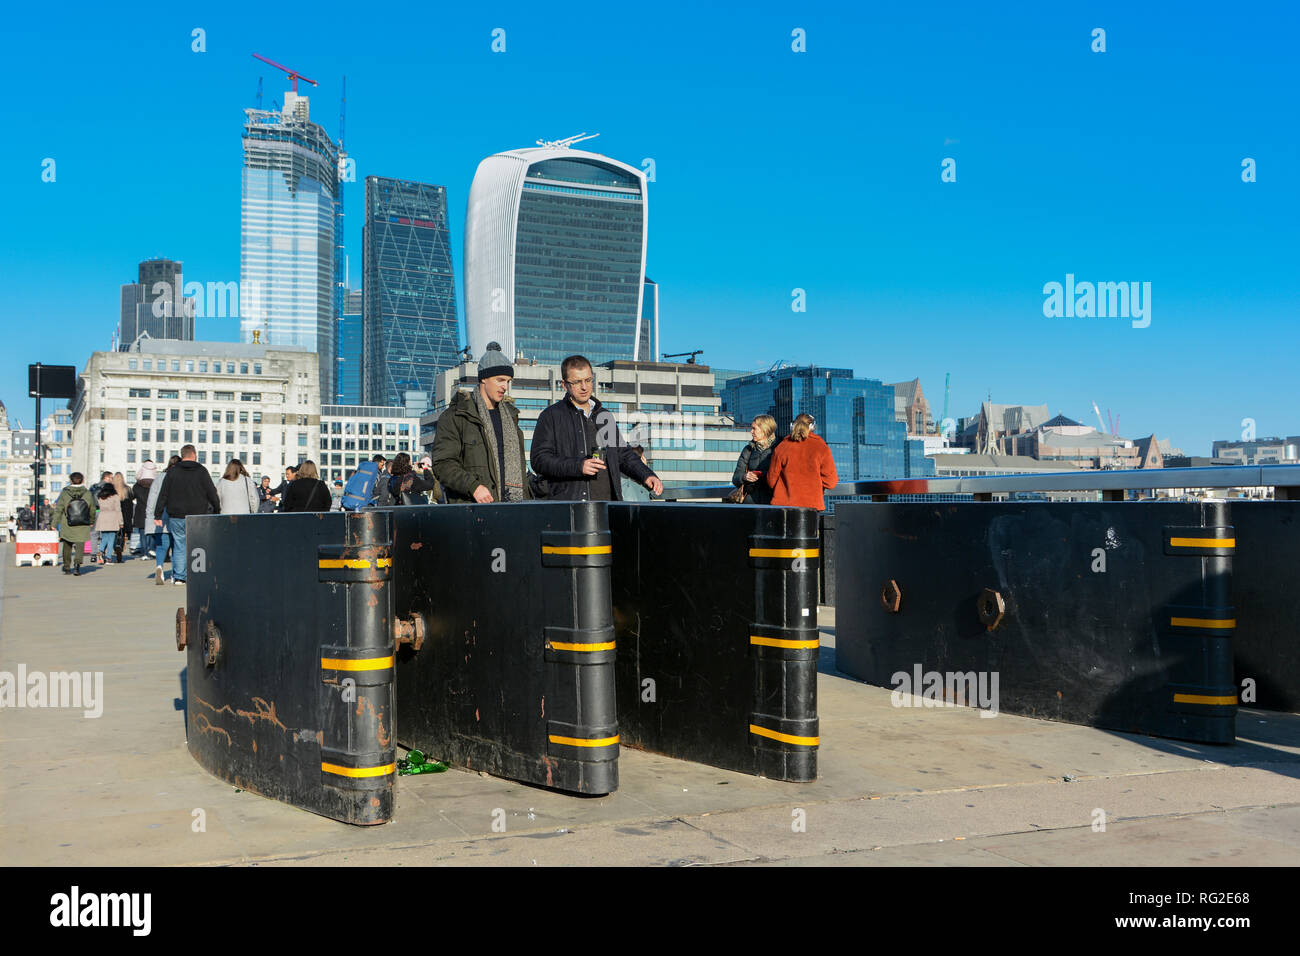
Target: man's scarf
(512,489)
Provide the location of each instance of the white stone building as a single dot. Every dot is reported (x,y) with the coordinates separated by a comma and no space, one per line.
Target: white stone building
(258,403)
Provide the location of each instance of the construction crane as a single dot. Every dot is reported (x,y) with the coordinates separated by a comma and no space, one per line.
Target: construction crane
(690,360)
(294,75)
(1100,423)
(947,383)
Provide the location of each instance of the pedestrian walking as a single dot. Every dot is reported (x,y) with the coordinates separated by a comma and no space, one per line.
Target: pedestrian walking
(161,526)
(12,527)
(108,522)
(140,515)
(802,467)
(383,493)
(187,491)
(307,492)
(74,516)
(750,477)
(127,501)
(104,479)
(236,490)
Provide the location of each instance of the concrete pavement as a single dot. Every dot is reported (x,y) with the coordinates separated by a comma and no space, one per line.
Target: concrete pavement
(897,786)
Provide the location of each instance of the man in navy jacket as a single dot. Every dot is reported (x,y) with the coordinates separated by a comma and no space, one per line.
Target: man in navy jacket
(576,445)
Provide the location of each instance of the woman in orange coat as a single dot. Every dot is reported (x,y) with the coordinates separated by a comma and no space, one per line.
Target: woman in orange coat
(802,468)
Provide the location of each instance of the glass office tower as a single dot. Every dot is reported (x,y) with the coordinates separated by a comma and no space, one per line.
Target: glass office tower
(350,349)
(855,416)
(412,331)
(555,242)
(286,256)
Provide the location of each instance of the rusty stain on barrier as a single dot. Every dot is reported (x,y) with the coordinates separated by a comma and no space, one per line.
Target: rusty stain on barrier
(264,711)
(205,726)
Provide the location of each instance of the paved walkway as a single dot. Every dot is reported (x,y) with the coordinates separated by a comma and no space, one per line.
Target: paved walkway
(916,786)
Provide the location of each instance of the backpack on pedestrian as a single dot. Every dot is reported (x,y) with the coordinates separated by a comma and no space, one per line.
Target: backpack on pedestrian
(77,512)
(360,487)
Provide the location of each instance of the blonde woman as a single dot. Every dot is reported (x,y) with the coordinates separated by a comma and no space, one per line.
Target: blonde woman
(127,500)
(755,457)
(307,492)
(802,467)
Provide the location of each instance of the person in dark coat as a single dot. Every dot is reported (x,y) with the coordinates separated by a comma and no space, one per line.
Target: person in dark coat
(127,501)
(307,492)
(408,486)
(73,537)
(187,490)
(577,447)
(751,467)
(478,452)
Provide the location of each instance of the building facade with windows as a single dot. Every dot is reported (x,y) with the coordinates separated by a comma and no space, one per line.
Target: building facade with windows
(252,402)
(349,378)
(155,306)
(411,328)
(351,434)
(17,452)
(286,251)
(1260,451)
(555,247)
(670,409)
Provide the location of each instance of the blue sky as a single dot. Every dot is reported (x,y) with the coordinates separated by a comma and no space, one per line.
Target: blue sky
(775,170)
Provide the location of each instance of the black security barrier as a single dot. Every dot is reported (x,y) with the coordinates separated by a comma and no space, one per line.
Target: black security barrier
(1112,614)
(715,611)
(828,560)
(506,653)
(289,639)
(1266,582)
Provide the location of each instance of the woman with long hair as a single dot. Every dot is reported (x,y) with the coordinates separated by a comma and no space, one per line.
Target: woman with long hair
(802,467)
(408,486)
(127,501)
(755,457)
(307,492)
(237,491)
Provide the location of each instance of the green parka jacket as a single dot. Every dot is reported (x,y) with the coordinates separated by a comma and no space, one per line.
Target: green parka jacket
(465,449)
(77,534)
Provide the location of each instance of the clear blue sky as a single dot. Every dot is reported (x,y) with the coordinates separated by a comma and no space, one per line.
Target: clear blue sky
(775,170)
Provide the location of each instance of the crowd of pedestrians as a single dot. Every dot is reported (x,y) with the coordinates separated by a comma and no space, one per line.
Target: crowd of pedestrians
(577,454)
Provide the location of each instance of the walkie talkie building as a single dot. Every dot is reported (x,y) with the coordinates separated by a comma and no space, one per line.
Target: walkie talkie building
(555,242)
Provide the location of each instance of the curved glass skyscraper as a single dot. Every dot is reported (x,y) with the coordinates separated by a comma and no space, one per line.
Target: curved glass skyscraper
(286,252)
(555,243)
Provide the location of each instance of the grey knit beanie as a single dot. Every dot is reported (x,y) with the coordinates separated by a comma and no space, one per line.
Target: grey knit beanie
(493,363)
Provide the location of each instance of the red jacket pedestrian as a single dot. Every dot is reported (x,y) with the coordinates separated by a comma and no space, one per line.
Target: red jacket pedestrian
(802,468)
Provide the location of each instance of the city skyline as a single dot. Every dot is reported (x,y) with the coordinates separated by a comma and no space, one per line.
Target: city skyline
(1119,166)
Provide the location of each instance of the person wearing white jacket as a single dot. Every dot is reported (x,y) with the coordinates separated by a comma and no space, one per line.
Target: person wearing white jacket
(237,491)
(162,540)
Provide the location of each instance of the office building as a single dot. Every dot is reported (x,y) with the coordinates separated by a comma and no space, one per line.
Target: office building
(411,330)
(17,452)
(1259,451)
(258,403)
(855,417)
(351,434)
(286,256)
(555,245)
(351,349)
(155,306)
(669,409)
(911,407)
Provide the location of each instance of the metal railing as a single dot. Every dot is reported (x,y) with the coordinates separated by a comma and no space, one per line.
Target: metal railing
(1112,484)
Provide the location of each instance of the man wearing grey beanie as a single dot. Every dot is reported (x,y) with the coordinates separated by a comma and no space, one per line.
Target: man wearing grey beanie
(478,452)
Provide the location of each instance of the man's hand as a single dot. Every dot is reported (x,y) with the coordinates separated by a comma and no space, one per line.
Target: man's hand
(655,485)
(593,466)
(483,496)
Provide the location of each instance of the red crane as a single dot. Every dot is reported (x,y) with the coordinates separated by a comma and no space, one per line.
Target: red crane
(294,75)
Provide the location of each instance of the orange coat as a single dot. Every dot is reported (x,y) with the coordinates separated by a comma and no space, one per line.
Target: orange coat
(799,472)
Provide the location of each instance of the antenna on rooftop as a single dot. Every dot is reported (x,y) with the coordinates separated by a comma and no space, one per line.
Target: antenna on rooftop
(567,143)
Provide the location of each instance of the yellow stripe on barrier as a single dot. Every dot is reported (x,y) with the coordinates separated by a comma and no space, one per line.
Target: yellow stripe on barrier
(1203,699)
(353,564)
(785,552)
(364,664)
(565,646)
(784,738)
(783,642)
(565,549)
(358,771)
(583,741)
(1202,542)
(1210,622)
